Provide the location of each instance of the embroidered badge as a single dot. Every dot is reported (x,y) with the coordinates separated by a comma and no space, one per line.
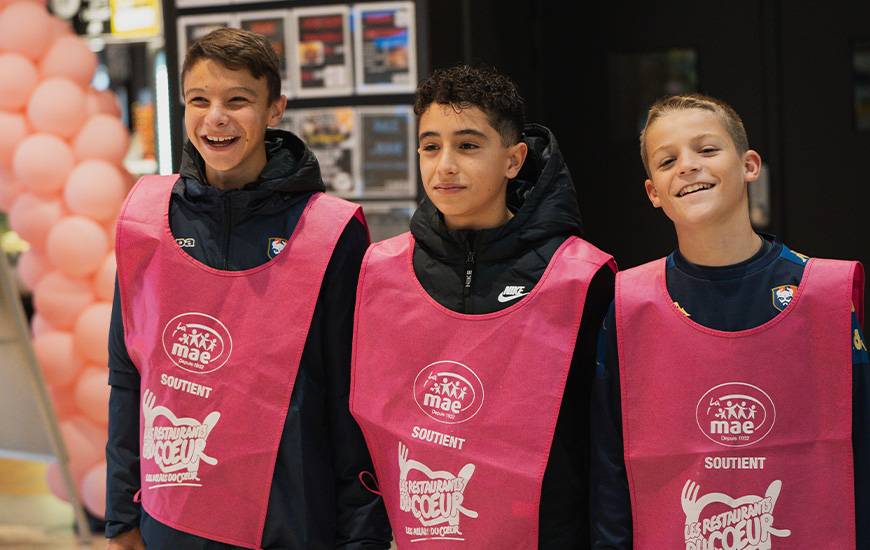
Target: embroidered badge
(782,295)
(276,245)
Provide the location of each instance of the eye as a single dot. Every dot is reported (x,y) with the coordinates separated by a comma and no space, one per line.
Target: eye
(239,99)
(198,101)
(666,162)
(469,145)
(428,147)
(709,149)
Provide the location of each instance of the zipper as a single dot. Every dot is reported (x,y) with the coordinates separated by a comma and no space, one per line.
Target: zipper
(227,229)
(469,279)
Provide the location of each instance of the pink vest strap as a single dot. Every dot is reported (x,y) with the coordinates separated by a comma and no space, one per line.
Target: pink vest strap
(218,352)
(459,410)
(739,440)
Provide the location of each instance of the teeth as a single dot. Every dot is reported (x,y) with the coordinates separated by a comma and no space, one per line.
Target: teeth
(218,139)
(692,188)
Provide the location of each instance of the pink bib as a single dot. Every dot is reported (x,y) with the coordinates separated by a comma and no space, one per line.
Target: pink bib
(739,440)
(459,410)
(218,353)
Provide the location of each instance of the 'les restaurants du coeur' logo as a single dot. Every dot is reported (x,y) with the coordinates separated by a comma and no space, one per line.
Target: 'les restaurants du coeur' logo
(448,392)
(197,342)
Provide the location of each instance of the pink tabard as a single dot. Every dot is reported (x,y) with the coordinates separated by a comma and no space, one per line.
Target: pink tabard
(739,440)
(459,410)
(218,353)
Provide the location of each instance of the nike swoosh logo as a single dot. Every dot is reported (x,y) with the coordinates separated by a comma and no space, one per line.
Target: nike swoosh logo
(502,298)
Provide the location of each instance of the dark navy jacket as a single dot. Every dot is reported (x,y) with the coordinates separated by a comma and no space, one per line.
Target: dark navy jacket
(316,500)
(728,298)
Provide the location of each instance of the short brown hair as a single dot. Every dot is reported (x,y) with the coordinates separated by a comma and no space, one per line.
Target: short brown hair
(726,113)
(483,87)
(238,49)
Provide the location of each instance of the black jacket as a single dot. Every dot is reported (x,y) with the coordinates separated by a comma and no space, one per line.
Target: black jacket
(316,500)
(546,213)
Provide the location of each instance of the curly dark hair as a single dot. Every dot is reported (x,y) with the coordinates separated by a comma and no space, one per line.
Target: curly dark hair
(483,87)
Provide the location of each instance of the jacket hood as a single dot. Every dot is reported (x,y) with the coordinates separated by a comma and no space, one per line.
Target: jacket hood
(291,168)
(542,198)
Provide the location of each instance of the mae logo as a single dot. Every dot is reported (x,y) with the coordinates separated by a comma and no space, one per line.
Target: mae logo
(276,245)
(735,414)
(197,342)
(448,392)
(782,295)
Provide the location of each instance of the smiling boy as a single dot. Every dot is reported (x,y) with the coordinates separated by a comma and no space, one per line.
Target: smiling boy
(730,399)
(474,332)
(230,333)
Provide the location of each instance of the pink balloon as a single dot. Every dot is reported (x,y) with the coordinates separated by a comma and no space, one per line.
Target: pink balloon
(95,189)
(83,451)
(42,164)
(102,137)
(104,102)
(18,78)
(63,401)
(93,490)
(13,130)
(69,57)
(25,28)
(57,106)
(38,325)
(55,352)
(9,191)
(92,333)
(92,394)
(31,268)
(104,280)
(60,299)
(32,218)
(55,481)
(76,245)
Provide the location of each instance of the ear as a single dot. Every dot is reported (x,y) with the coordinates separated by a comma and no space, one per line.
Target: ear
(652,193)
(751,165)
(276,110)
(516,157)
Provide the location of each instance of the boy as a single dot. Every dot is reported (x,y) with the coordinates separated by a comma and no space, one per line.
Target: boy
(232,319)
(476,438)
(725,414)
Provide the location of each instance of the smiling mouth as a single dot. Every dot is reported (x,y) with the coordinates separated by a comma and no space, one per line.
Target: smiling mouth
(449,187)
(219,141)
(694,188)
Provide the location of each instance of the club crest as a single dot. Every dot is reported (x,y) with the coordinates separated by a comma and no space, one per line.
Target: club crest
(782,296)
(276,245)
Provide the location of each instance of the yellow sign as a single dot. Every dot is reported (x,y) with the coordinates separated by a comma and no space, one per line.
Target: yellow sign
(135,18)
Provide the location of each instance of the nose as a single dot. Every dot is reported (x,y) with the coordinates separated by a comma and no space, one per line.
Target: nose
(447,163)
(217,115)
(688,163)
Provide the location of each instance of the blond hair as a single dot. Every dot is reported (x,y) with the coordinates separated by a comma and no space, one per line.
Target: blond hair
(726,113)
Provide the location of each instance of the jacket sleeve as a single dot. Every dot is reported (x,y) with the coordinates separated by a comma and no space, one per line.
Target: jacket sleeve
(361,519)
(861,431)
(564,509)
(610,499)
(122,447)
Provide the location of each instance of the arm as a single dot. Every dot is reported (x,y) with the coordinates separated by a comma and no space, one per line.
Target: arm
(122,447)
(361,519)
(610,498)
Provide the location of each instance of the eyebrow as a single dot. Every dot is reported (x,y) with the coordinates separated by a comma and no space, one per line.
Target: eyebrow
(231,90)
(463,132)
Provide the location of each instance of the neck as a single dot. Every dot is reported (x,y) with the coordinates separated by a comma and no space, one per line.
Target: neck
(239,176)
(477,222)
(717,246)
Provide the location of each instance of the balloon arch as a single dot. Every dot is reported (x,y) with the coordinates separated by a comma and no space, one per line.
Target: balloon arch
(62,183)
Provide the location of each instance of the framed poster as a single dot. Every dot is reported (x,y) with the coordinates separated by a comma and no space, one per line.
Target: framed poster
(274,26)
(386,48)
(387,160)
(193,27)
(388,218)
(321,56)
(331,134)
